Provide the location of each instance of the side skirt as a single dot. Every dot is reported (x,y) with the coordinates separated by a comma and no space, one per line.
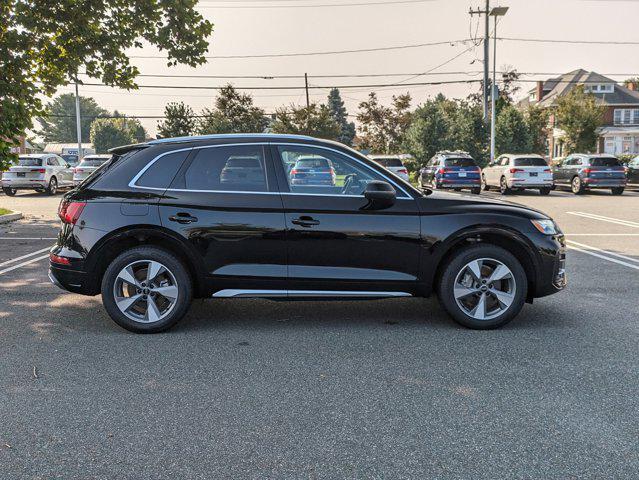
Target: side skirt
(238,293)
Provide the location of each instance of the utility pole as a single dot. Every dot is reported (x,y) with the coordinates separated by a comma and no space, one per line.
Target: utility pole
(495,12)
(78,124)
(486,91)
(308,102)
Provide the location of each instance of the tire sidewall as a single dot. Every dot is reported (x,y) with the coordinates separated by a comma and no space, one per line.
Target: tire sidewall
(53,186)
(450,272)
(176,267)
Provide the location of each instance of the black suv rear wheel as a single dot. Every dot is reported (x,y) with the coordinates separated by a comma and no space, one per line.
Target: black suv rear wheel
(483,287)
(146,290)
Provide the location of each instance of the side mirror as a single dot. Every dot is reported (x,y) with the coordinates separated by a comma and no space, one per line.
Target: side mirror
(380,195)
(68,165)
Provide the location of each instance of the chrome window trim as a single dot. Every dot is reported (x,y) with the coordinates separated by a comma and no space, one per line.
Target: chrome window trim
(132,183)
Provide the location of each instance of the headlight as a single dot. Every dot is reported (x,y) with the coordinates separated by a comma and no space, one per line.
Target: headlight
(547,227)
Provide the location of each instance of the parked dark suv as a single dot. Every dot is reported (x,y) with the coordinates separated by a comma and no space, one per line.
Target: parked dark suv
(581,172)
(455,170)
(163,223)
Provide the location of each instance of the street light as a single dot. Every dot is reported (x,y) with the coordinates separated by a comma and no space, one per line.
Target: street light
(495,12)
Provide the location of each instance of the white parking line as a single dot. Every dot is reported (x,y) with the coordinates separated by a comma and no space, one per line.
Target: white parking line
(588,250)
(15,267)
(617,221)
(602,234)
(17,259)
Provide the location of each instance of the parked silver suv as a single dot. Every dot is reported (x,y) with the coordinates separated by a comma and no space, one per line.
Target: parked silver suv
(42,172)
(87,166)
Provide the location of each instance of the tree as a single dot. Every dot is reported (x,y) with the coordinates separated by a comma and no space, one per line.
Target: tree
(537,121)
(579,116)
(59,123)
(508,87)
(338,112)
(107,133)
(44,45)
(234,112)
(511,132)
(179,121)
(314,120)
(383,128)
(444,124)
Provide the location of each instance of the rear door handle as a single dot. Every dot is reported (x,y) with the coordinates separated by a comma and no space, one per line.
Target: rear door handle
(305,221)
(183,218)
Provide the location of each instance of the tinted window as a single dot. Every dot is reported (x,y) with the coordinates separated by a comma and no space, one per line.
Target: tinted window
(389,162)
(237,168)
(604,162)
(348,176)
(161,172)
(459,162)
(93,162)
(29,162)
(530,162)
(313,163)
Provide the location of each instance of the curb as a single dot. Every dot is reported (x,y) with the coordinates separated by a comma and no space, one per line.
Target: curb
(10,217)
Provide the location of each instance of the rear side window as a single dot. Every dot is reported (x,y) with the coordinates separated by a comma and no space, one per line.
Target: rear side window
(161,173)
(459,162)
(239,168)
(29,162)
(530,162)
(604,162)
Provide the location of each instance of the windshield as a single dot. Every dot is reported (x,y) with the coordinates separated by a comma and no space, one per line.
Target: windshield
(530,162)
(604,162)
(459,162)
(389,162)
(29,162)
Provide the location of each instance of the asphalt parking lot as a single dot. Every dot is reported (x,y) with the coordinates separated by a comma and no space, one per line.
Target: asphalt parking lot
(380,389)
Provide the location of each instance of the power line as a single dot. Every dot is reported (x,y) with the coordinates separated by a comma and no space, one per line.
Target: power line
(317,5)
(575,42)
(330,52)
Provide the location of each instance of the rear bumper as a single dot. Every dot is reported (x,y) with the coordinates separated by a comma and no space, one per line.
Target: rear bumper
(596,183)
(446,183)
(21,184)
(517,183)
(71,280)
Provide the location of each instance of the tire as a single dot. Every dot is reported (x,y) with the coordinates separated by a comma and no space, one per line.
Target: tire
(544,191)
(617,190)
(475,191)
(577,186)
(10,192)
(52,189)
(512,288)
(484,185)
(140,316)
(503,187)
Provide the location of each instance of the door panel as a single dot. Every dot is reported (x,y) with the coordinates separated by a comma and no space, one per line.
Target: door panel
(225,204)
(335,243)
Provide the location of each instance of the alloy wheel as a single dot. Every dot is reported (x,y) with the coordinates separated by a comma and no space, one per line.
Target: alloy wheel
(484,289)
(145,291)
(576,185)
(53,186)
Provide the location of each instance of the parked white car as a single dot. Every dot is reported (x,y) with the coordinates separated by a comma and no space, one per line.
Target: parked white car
(392,163)
(87,166)
(518,172)
(42,172)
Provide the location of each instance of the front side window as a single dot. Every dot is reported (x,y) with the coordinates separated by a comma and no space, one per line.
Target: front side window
(238,168)
(505,161)
(318,171)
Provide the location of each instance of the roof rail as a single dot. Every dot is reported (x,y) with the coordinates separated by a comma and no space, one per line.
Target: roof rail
(196,138)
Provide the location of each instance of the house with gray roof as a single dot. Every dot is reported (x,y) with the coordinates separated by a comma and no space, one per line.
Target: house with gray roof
(619,133)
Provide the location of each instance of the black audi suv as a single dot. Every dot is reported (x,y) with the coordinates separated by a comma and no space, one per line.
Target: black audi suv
(165,221)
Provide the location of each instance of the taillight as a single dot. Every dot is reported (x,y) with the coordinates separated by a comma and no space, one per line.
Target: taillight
(403,170)
(58,259)
(586,171)
(69,212)
(547,170)
(38,170)
(293,172)
(515,170)
(477,169)
(442,171)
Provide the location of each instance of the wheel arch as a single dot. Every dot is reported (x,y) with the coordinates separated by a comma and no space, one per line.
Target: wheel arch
(113,244)
(501,236)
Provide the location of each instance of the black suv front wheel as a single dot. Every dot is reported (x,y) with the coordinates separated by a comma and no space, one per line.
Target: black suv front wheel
(483,287)
(146,290)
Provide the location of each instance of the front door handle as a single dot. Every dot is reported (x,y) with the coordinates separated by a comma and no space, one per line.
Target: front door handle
(183,218)
(305,221)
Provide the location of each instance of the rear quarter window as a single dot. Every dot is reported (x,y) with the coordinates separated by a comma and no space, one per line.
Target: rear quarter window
(161,172)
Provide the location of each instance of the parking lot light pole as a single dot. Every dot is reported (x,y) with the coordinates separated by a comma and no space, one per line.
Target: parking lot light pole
(495,12)
(78,125)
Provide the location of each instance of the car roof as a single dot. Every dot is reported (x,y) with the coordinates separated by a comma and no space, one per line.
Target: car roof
(36,155)
(594,155)
(458,154)
(96,155)
(522,155)
(261,136)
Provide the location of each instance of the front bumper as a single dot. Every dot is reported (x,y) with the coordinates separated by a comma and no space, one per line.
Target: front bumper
(551,274)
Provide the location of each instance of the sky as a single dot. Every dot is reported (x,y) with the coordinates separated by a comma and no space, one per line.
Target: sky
(300,26)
